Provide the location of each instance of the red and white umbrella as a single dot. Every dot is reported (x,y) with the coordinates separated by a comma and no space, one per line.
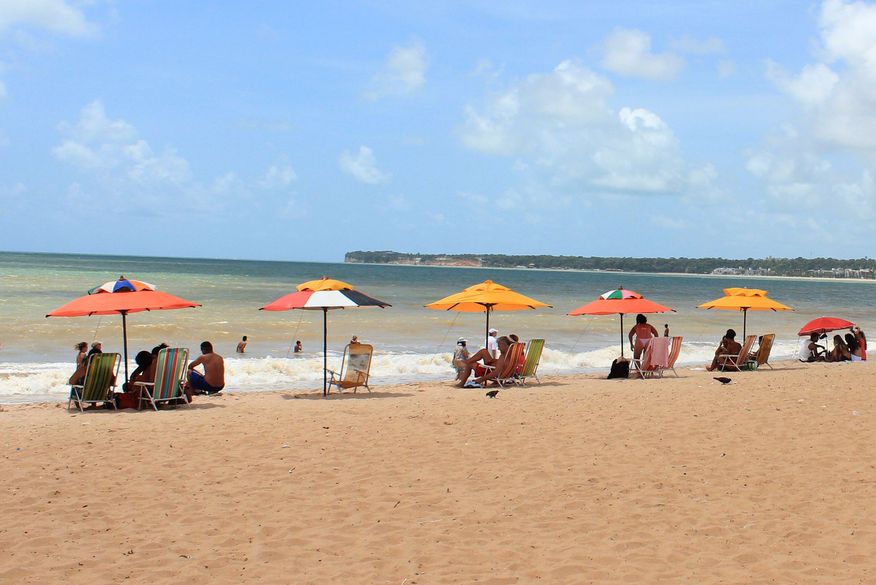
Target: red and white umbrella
(324,295)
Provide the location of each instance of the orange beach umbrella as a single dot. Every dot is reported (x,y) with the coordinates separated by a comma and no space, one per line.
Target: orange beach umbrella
(620,302)
(486,297)
(122,296)
(745,299)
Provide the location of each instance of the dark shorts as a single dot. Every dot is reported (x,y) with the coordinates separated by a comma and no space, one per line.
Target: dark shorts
(197,382)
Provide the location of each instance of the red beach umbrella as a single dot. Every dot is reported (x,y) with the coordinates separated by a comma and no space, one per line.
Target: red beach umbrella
(323,295)
(620,302)
(121,297)
(823,325)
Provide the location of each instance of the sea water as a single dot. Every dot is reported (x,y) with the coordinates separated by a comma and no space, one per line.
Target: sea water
(411,342)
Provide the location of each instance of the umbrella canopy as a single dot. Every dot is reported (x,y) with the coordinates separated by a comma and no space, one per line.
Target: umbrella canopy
(122,296)
(745,299)
(823,325)
(486,297)
(620,302)
(323,295)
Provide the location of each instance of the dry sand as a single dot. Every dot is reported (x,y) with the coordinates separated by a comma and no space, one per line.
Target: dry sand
(770,479)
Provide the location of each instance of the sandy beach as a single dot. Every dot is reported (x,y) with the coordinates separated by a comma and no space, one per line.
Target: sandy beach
(771,479)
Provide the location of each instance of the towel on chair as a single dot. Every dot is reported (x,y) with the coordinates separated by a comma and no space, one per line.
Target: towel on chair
(656,354)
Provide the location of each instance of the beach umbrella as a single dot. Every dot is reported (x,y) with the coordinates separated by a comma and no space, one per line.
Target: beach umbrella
(745,299)
(620,302)
(486,297)
(824,325)
(122,296)
(324,295)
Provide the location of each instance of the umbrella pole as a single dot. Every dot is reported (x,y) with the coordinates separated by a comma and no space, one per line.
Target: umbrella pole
(744,322)
(324,352)
(622,334)
(487,329)
(125,343)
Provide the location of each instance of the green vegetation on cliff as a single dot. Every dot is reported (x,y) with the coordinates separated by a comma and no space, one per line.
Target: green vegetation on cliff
(831,267)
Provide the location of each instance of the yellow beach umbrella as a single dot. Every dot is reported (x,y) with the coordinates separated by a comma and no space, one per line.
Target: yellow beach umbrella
(745,299)
(486,297)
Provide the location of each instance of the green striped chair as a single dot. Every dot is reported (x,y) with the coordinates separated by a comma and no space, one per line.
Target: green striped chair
(170,376)
(533,357)
(100,379)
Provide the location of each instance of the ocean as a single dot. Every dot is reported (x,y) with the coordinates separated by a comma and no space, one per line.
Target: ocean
(411,342)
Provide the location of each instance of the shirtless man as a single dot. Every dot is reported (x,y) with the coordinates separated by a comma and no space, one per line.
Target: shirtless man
(728,346)
(213,379)
(483,374)
(241,347)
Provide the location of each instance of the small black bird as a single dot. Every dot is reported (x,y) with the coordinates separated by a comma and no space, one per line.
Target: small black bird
(724,379)
(492,393)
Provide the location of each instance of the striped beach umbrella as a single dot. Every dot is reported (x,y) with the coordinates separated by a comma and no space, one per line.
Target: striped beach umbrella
(620,301)
(324,294)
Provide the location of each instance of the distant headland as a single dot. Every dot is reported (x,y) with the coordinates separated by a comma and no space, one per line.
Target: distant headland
(808,267)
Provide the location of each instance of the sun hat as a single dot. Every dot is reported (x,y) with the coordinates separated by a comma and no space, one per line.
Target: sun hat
(462,340)
(493,331)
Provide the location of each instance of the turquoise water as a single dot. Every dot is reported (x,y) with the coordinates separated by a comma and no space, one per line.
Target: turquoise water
(412,342)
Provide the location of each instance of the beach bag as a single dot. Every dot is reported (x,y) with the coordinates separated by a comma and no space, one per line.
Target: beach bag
(620,368)
(128,400)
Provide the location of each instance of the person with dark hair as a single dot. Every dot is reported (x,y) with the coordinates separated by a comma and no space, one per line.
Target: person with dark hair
(144,372)
(298,347)
(812,351)
(728,346)
(840,351)
(241,346)
(213,378)
(854,347)
(643,332)
(862,341)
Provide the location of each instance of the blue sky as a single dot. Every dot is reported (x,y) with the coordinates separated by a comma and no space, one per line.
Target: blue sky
(299,131)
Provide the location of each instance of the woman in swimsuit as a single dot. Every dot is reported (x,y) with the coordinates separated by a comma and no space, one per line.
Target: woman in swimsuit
(643,332)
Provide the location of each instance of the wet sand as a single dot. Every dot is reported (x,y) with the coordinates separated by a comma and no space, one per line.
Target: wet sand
(770,479)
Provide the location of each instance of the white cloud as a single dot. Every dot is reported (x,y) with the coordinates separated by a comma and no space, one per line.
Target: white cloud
(112,149)
(54,15)
(813,86)
(628,52)
(561,123)
(694,46)
(278,177)
(363,166)
(403,73)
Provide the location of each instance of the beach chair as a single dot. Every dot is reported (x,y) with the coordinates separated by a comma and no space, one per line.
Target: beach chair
(170,377)
(763,352)
(674,352)
(355,368)
(508,375)
(100,379)
(533,357)
(655,358)
(736,361)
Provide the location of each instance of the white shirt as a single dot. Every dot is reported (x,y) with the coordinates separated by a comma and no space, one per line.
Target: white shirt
(493,346)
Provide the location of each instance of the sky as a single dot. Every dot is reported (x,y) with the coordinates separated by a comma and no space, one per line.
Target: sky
(299,131)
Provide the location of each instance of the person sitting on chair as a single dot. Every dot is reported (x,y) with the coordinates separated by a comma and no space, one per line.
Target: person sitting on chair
(483,373)
(213,378)
(728,346)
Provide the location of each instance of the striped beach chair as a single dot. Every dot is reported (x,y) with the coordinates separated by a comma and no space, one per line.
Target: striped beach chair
(533,357)
(170,376)
(355,368)
(508,375)
(736,361)
(100,379)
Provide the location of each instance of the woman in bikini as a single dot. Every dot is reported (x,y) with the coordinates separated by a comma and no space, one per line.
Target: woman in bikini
(643,332)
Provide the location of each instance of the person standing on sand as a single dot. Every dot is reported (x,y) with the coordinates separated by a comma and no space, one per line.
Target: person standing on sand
(213,378)
(492,344)
(643,332)
(241,347)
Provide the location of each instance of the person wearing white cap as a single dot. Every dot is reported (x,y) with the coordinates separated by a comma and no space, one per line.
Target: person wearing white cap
(460,354)
(492,346)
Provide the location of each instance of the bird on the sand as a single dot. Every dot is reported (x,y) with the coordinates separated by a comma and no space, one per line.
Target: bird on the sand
(492,393)
(724,379)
